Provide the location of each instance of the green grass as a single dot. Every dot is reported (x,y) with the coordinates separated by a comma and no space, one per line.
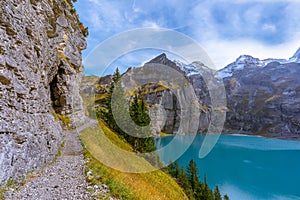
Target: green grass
(62,56)
(163,134)
(9,184)
(58,152)
(2,191)
(66,121)
(272,98)
(102,144)
(101,174)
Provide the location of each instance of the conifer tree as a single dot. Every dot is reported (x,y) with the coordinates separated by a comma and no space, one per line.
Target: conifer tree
(116,76)
(217,193)
(138,113)
(207,192)
(177,170)
(108,116)
(144,142)
(171,169)
(187,178)
(226,197)
(184,183)
(120,109)
(192,173)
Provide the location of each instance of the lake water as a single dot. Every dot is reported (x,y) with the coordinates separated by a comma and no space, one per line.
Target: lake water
(244,167)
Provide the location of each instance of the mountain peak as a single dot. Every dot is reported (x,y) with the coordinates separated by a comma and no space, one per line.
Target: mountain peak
(163,55)
(297,54)
(163,59)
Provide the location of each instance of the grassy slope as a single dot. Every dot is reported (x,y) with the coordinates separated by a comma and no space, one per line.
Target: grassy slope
(154,185)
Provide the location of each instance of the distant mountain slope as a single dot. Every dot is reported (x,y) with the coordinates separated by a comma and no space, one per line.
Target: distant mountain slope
(263,96)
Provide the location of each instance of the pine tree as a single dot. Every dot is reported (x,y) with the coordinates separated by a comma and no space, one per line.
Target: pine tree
(119,106)
(183,181)
(144,142)
(199,191)
(177,170)
(120,110)
(108,116)
(226,197)
(185,178)
(207,192)
(217,193)
(117,76)
(192,173)
(171,168)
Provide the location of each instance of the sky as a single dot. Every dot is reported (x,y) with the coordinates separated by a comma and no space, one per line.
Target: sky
(224,29)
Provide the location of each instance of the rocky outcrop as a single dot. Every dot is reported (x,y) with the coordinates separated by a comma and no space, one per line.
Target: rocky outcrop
(169,94)
(263,96)
(164,107)
(164,112)
(40,72)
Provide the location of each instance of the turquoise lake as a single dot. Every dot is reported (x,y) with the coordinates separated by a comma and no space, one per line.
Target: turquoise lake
(244,167)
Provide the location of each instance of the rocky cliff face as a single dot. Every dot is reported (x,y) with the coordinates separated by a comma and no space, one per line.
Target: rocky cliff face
(263,96)
(40,72)
(165,109)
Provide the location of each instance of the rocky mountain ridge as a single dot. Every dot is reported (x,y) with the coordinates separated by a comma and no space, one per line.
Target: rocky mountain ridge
(263,96)
(251,62)
(264,99)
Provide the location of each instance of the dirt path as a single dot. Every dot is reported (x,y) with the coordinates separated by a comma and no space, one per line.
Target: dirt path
(64,179)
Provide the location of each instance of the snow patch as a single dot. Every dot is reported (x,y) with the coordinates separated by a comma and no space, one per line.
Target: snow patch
(248,61)
(188,69)
(242,62)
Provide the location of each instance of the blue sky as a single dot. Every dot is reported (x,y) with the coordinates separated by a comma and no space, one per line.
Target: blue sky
(225,29)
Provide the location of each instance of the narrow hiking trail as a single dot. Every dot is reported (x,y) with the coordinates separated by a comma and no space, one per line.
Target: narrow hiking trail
(64,179)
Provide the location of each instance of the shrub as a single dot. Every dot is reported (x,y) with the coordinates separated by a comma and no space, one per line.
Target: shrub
(71,2)
(73,11)
(65,120)
(85,32)
(2,191)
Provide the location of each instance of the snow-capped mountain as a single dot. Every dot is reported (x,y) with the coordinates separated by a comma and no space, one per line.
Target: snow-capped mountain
(263,96)
(296,57)
(248,62)
(242,62)
(190,69)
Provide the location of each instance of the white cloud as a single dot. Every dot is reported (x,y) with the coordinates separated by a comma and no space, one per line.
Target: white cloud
(95,20)
(150,24)
(244,23)
(225,52)
(269,27)
(135,8)
(104,16)
(254,14)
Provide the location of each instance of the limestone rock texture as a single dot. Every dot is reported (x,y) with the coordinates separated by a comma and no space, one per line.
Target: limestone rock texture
(40,73)
(264,100)
(262,97)
(168,93)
